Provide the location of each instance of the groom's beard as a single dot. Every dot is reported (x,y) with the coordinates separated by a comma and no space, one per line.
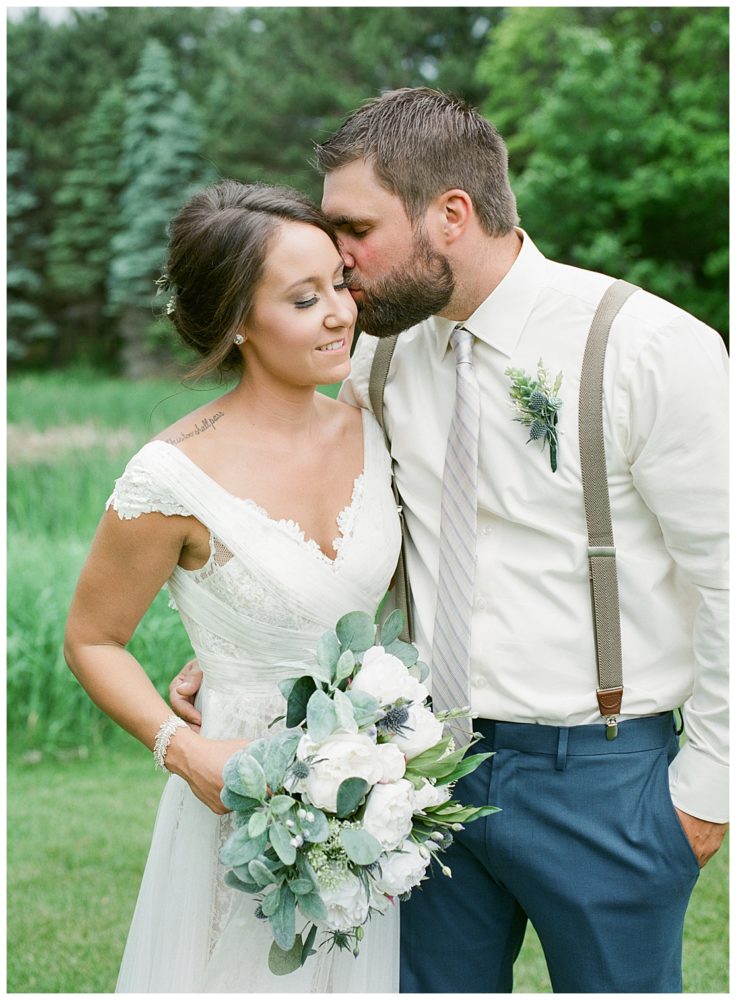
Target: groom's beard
(406,296)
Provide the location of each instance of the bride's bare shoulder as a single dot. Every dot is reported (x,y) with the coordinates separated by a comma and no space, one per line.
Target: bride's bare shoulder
(188,428)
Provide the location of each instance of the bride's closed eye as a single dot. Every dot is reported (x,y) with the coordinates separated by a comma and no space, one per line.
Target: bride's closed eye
(306,303)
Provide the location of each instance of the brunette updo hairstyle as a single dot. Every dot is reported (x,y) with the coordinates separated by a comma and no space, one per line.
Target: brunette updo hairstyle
(218,244)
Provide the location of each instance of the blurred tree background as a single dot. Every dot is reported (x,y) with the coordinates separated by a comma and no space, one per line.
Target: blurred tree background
(616,121)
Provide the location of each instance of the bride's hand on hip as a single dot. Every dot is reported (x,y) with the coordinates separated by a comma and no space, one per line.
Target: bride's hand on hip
(200,762)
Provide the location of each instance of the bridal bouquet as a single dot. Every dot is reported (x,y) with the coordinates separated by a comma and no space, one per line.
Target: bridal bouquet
(342,812)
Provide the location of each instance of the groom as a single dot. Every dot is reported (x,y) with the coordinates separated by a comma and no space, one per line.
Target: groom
(599,842)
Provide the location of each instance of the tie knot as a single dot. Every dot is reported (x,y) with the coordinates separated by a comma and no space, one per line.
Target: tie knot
(462,345)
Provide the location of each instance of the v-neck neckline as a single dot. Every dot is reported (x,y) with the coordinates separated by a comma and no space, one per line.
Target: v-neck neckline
(289,526)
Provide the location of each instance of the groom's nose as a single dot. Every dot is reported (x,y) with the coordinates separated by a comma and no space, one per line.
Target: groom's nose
(345,252)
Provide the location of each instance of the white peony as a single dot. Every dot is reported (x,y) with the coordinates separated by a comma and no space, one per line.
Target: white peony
(430,795)
(388,813)
(392,760)
(347,905)
(401,870)
(421,731)
(387,679)
(341,756)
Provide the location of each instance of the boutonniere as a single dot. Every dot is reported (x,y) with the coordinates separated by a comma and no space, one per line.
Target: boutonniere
(537,403)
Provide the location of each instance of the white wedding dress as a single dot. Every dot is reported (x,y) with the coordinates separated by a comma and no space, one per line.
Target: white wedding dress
(254,611)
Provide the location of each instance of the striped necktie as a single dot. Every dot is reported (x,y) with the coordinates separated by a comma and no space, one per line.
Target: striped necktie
(458,523)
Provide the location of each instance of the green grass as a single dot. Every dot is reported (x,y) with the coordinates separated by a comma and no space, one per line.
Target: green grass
(80,396)
(78,835)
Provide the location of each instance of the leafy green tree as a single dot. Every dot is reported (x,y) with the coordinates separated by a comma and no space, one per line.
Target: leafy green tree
(618,142)
(87,222)
(162,164)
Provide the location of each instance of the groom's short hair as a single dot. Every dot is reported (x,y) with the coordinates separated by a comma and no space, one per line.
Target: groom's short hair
(422,142)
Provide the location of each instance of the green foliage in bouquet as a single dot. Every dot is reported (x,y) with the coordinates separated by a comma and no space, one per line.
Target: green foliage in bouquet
(289,852)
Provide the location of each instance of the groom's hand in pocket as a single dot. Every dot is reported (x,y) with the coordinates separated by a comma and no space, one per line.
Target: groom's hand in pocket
(182,692)
(705,837)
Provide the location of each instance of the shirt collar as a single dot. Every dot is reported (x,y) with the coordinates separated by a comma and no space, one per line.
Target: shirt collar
(500,319)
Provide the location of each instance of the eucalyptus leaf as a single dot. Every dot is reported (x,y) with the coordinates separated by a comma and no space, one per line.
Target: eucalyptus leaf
(419,670)
(240,847)
(366,708)
(316,829)
(356,631)
(281,842)
(391,628)
(312,906)
(308,950)
(283,921)
(296,706)
(252,777)
(360,846)
(350,794)
(233,882)
(344,712)
(345,665)
(403,651)
(328,652)
(321,717)
(258,823)
(281,962)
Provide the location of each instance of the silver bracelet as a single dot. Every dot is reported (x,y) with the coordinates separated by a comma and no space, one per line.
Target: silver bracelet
(163,737)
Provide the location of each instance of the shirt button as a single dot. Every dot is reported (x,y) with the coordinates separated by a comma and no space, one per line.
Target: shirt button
(486,529)
(479,681)
(481,603)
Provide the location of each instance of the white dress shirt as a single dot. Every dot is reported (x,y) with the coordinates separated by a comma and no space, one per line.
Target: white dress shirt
(666,427)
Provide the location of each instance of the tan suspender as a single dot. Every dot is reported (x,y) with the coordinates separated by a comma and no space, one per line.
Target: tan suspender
(376,385)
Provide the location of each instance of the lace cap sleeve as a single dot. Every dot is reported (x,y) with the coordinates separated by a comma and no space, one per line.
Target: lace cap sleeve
(141,491)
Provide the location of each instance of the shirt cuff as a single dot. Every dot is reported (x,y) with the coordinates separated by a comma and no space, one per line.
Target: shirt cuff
(699,785)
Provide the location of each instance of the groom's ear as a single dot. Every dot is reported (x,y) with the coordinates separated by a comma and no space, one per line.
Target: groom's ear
(453,214)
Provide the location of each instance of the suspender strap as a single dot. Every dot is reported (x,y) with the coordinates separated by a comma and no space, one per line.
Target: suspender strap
(376,385)
(601,550)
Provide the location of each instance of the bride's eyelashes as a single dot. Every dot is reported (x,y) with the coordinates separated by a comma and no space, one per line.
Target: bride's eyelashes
(306,303)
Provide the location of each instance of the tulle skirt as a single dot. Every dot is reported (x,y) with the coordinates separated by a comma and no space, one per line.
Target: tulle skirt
(192,934)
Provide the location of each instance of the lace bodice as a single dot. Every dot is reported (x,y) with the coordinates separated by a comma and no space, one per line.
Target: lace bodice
(264,573)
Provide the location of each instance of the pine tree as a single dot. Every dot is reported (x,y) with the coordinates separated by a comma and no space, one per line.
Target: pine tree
(162,165)
(28,328)
(88,217)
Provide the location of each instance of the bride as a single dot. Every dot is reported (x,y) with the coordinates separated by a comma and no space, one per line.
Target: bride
(268,514)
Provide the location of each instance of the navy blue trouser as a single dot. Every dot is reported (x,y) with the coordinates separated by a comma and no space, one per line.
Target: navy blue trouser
(587,846)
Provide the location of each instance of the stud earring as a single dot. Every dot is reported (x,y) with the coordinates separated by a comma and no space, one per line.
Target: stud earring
(239,339)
